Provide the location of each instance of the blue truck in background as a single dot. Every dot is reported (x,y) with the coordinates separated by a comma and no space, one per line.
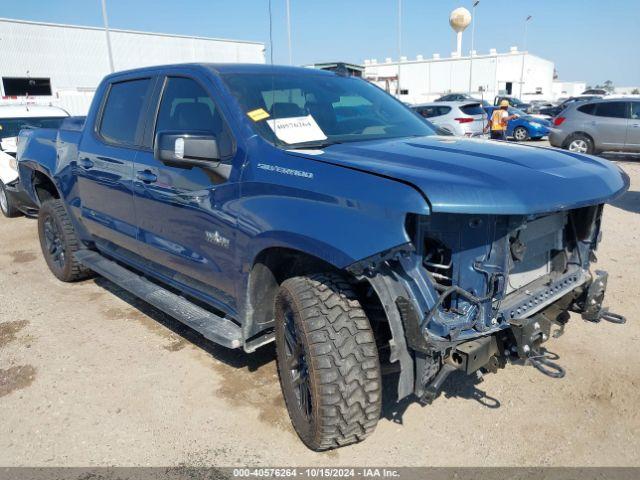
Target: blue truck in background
(258,203)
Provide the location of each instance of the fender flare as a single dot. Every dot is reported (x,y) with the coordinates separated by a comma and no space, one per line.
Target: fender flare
(27,169)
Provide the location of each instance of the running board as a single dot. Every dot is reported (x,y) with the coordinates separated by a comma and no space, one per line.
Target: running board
(211,326)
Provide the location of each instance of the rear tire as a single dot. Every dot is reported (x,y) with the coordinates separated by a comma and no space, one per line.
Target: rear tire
(327,361)
(7,205)
(59,242)
(580,143)
(520,134)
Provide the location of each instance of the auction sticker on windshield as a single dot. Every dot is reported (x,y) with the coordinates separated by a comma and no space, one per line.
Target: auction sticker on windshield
(297,129)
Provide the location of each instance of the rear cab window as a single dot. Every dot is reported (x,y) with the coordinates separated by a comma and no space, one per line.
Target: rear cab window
(120,123)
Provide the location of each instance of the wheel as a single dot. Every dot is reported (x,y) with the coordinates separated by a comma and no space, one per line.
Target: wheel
(7,205)
(520,134)
(327,361)
(580,143)
(59,242)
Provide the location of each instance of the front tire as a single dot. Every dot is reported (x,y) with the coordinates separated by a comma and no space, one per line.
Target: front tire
(59,243)
(327,361)
(520,134)
(7,205)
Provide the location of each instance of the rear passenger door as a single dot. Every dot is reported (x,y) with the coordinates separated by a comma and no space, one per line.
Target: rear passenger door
(106,158)
(609,125)
(633,128)
(186,219)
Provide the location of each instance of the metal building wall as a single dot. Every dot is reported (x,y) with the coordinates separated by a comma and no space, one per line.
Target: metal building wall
(427,79)
(75,58)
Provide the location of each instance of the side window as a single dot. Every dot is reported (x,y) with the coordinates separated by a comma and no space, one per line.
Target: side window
(589,108)
(187,107)
(444,110)
(123,110)
(635,110)
(427,112)
(612,109)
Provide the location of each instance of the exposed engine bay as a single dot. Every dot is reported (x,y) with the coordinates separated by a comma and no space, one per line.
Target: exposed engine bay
(475,291)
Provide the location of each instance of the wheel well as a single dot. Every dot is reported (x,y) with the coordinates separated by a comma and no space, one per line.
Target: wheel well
(275,265)
(574,134)
(272,267)
(44,187)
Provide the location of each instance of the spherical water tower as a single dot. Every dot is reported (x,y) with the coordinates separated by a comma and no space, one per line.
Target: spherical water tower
(459,19)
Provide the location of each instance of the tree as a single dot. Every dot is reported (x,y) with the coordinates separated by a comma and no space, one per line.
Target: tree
(608,86)
(635,91)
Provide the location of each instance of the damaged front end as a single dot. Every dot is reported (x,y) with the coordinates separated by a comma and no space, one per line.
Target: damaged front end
(469,292)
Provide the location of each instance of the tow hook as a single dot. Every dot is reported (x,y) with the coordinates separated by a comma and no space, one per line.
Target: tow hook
(541,360)
(593,311)
(529,333)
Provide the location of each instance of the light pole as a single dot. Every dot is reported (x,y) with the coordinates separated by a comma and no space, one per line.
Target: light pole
(106,31)
(399,43)
(289,31)
(473,33)
(524,49)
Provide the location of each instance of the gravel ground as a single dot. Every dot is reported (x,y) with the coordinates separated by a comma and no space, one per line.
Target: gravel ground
(89,376)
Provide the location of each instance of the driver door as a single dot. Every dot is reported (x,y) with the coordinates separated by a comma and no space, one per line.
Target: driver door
(185,218)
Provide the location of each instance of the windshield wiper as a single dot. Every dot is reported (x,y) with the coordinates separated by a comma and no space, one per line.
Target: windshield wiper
(310,145)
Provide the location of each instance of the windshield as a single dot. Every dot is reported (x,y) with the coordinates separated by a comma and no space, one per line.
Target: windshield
(10,127)
(321,109)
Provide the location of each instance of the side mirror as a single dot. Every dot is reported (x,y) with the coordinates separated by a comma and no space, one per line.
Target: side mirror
(187,149)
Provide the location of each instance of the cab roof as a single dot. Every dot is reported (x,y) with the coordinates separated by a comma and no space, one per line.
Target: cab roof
(231,68)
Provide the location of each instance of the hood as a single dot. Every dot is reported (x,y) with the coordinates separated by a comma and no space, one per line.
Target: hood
(460,175)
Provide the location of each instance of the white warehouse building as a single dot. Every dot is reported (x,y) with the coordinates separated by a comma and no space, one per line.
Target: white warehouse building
(425,79)
(63,64)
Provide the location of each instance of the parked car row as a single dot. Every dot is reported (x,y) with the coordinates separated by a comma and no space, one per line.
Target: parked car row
(584,124)
(470,119)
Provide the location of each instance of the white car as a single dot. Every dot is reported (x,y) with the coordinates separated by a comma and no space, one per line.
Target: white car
(464,119)
(14,118)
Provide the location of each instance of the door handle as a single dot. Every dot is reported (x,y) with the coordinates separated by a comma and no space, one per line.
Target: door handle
(146,176)
(636,125)
(85,163)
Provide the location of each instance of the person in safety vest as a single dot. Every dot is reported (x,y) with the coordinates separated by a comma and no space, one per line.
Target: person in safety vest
(500,120)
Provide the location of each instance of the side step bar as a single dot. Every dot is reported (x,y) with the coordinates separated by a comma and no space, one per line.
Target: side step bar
(211,326)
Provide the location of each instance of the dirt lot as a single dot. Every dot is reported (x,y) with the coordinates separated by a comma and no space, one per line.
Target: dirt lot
(88,376)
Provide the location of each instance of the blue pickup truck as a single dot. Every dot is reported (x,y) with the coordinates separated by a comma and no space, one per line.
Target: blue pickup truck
(258,203)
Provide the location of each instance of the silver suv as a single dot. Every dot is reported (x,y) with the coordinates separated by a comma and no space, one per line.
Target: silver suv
(598,126)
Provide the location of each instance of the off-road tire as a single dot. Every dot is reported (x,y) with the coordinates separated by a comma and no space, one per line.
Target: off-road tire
(69,270)
(340,352)
(7,206)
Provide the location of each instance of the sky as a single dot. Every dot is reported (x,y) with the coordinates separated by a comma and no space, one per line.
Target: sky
(588,40)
